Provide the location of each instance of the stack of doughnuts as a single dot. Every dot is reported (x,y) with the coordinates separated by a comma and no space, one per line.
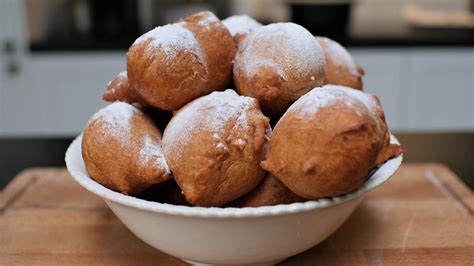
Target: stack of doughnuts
(175,133)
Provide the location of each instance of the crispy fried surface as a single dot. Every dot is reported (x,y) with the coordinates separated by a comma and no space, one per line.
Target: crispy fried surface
(214,146)
(168,80)
(120,89)
(115,154)
(341,68)
(276,64)
(327,142)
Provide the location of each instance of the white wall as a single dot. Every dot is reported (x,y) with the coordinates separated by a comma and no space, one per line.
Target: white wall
(57,93)
(422,89)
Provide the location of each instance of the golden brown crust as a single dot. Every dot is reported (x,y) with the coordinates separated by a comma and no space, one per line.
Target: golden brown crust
(120,89)
(240,26)
(239,38)
(218,47)
(214,146)
(341,68)
(121,149)
(174,64)
(327,142)
(390,151)
(278,63)
(269,192)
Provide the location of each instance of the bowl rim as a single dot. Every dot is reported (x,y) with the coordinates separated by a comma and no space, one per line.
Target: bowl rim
(76,167)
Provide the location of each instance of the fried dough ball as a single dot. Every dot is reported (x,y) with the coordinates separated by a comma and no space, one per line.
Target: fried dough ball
(278,63)
(214,146)
(327,142)
(122,151)
(119,89)
(269,192)
(240,26)
(390,151)
(174,64)
(341,68)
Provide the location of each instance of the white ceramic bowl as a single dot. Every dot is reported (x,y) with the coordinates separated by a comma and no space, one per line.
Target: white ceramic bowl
(263,235)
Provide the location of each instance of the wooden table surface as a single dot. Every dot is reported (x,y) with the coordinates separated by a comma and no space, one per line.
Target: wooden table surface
(423,215)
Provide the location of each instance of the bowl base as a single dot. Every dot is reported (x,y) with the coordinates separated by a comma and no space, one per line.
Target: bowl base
(268,263)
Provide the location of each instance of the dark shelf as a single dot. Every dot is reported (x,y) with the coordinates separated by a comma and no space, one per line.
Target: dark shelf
(123,45)
(64,46)
(400,42)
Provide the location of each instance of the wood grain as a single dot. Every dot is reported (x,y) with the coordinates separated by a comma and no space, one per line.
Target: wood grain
(423,215)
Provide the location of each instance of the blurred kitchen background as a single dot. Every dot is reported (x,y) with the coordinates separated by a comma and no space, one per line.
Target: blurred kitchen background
(57,56)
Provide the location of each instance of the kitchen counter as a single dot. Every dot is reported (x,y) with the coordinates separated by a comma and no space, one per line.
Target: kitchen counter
(424,215)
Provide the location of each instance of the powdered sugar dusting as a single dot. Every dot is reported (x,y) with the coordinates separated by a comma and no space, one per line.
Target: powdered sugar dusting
(339,55)
(240,24)
(284,47)
(123,74)
(224,106)
(240,142)
(151,152)
(352,95)
(311,102)
(117,113)
(171,38)
(116,118)
(207,20)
